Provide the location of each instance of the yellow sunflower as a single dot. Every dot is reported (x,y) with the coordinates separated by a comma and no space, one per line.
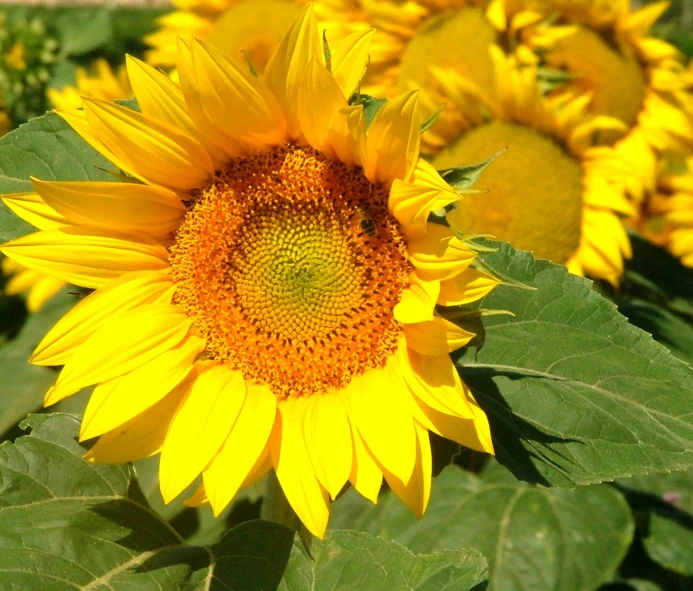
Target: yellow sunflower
(266,287)
(102,83)
(605,51)
(243,29)
(553,191)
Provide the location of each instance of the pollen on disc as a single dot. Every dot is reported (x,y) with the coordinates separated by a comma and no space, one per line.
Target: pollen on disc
(290,265)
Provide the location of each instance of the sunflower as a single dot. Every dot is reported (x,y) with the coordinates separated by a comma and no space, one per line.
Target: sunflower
(266,286)
(102,83)
(243,29)
(553,191)
(604,50)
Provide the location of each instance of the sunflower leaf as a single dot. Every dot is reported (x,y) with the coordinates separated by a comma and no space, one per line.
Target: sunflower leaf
(537,536)
(66,523)
(463,178)
(47,148)
(574,393)
(371,105)
(666,502)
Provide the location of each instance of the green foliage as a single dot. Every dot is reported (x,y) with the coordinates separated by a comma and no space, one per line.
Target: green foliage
(49,149)
(463,178)
(533,538)
(23,384)
(371,105)
(66,523)
(574,393)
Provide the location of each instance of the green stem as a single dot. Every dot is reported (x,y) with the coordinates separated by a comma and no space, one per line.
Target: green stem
(275,507)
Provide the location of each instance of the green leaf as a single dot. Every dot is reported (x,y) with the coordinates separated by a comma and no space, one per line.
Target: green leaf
(371,105)
(533,538)
(667,500)
(426,125)
(463,178)
(83,30)
(656,276)
(49,149)
(24,385)
(356,561)
(67,524)
(574,393)
(665,327)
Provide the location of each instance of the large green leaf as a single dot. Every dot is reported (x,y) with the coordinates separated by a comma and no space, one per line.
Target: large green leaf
(356,561)
(667,500)
(574,393)
(24,385)
(49,149)
(533,538)
(67,524)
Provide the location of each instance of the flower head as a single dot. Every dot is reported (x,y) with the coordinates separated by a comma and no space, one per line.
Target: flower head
(266,285)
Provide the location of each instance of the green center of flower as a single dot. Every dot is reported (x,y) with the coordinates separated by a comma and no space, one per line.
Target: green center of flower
(535,190)
(612,74)
(456,38)
(290,266)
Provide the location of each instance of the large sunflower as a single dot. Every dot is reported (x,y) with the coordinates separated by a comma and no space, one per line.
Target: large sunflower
(605,51)
(266,287)
(243,29)
(553,191)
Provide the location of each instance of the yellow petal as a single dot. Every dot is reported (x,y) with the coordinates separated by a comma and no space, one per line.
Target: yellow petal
(122,207)
(117,401)
(346,136)
(42,291)
(416,493)
(387,429)
(158,96)
(349,60)
(257,120)
(221,145)
(242,449)
(143,435)
(467,287)
(418,301)
(435,381)
(78,256)
(285,69)
(307,497)
(319,98)
(366,476)
(327,437)
(394,137)
(439,256)
(34,210)
(200,427)
(436,337)
(129,291)
(121,345)
(149,149)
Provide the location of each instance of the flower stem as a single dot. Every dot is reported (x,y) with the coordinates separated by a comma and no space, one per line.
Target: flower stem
(275,507)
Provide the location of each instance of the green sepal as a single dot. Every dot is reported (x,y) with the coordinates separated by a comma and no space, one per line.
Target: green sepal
(462,178)
(432,119)
(251,66)
(371,105)
(326,51)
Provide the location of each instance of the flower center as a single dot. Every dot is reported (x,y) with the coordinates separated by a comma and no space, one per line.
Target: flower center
(613,75)
(238,31)
(535,190)
(290,266)
(457,38)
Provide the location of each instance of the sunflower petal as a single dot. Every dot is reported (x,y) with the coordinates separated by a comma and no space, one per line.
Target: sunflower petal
(349,60)
(284,72)
(34,210)
(243,448)
(346,136)
(117,401)
(295,473)
(467,287)
(394,137)
(366,476)
(436,337)
(439,255)
(121,207)
(77,256)
(129,291)
(119,346)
